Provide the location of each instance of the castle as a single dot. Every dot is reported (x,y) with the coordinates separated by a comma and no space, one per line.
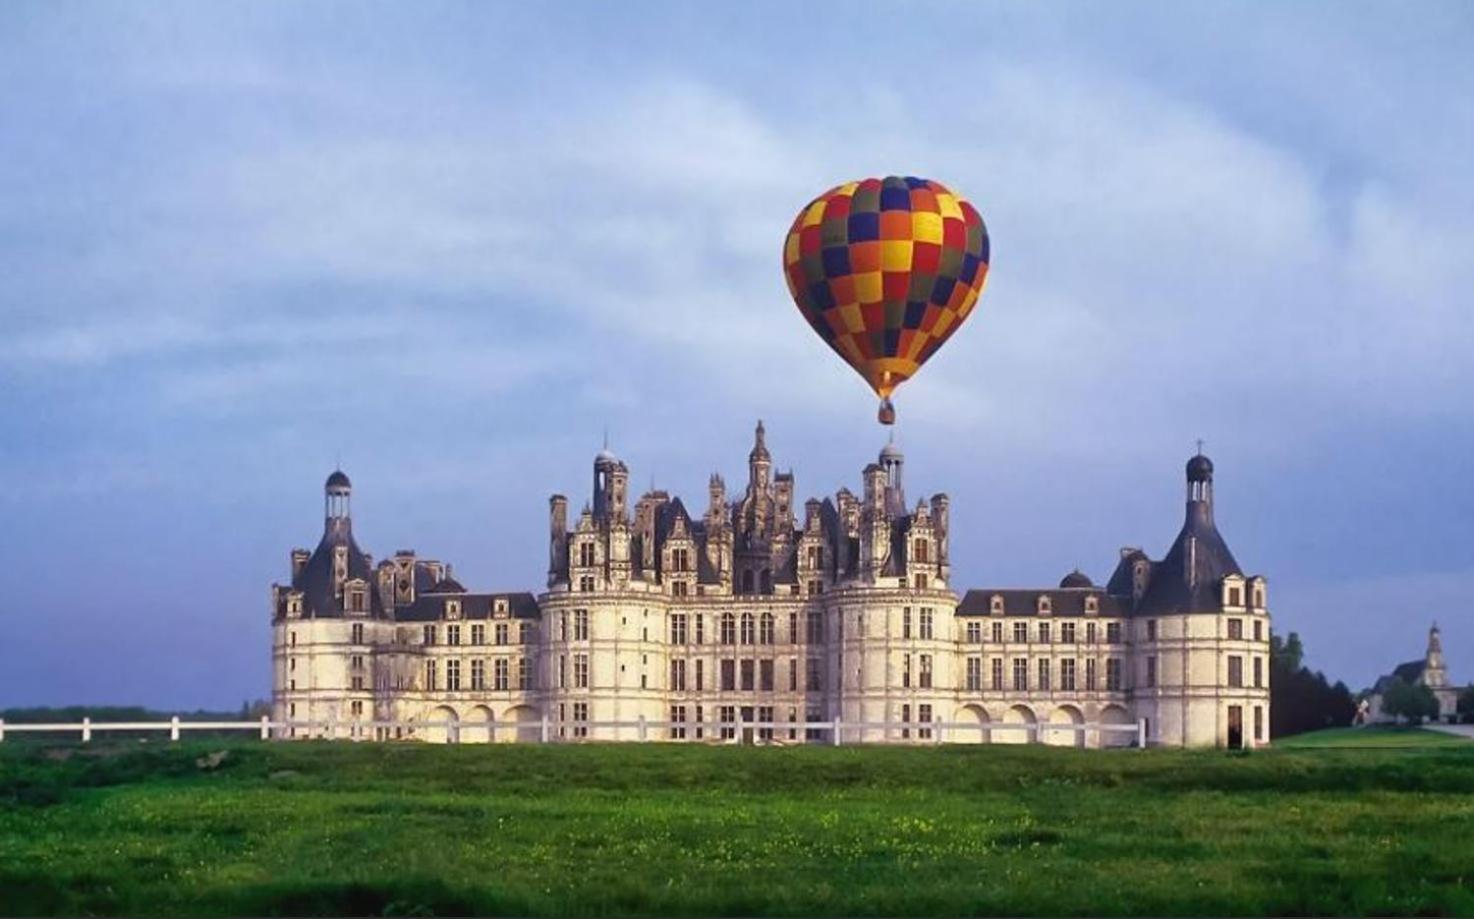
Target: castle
(756,618)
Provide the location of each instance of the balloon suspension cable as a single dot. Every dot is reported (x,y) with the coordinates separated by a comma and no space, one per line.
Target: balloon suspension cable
(887,414)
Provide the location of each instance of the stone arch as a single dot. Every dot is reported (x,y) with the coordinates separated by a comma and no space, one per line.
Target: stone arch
(1115,714)
(528,722)
(442,725)
(478,726)
(1019,715)
(1065,715)
(972,723)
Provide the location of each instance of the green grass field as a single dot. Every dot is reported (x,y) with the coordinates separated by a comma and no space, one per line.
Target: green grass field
(662,830)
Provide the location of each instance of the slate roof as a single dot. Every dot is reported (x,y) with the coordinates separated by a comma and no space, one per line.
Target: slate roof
(315,580)
(431,608)
(1025,602)
(1188,579)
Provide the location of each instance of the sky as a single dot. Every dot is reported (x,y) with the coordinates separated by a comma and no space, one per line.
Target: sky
(450,245)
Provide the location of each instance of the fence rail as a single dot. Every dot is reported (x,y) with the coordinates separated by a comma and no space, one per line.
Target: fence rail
(547,730)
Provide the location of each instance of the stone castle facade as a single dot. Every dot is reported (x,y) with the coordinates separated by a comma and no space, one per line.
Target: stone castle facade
(756,617)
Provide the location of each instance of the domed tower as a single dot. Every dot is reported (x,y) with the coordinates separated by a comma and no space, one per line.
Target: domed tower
(611,480)
(337,500)
(892,461)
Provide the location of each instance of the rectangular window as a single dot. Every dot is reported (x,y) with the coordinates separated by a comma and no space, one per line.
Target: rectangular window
(700,676)
(429,634)
(793,674)
(905,722)
(1235,596)
(357,684)
(580,671)
(562,671)
(678,628)
(524,632)
(729,675)
(1067,674)
(1021,632)
(580,717)
(793,628)
(524,673)
(1044,674)
(501,633)
(906,622)
(678,722)
(430,681)
(453,675)
(580,625)
(765,675)
(747,675)
(1113,674)
(816,628)
(1113,633)
(926,624)
(700,629)
(1020,674)
(1067,632)
(727,715)
(357,633)
(765,716)
(1151,630)
(998,633)
(478,633)
(678,675)
(1090,681)
(974,633)
(478,674)
(815,675)
(728,629)
(499,676)
(1044,632)
(926,671)
(906,671)
(452,634)
(974,674)
(1258,673)
(1258,723)
(1258,630)
(1151,671)
(1090,635)
(923,715)
(997,681)
(1235,670)
(1236,629)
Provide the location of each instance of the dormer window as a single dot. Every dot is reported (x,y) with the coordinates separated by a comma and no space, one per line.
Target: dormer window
(995,605)
(1092,604)
(499,606)
(294,605)
(452,609)
(1259,596)
(1044,606)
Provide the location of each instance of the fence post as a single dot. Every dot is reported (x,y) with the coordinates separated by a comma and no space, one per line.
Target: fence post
(642,729)
(1141,733)
(86,729)
(2,729)
(545,728)
(174,728)
(937,728)
(265,727)
(836,731)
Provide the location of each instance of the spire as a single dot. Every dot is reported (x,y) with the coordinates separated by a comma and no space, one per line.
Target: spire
(337,496)
(760,444)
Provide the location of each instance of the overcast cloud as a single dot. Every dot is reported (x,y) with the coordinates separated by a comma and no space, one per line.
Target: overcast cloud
(451,244)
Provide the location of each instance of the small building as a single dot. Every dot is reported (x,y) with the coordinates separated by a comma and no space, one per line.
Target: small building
(1430,672)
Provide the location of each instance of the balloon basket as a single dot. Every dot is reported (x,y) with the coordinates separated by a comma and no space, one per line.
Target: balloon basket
(887,413)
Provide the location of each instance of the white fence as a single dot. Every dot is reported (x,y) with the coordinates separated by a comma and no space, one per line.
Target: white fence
(546,730)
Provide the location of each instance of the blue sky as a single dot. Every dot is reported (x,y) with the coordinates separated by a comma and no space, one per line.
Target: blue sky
(451,244)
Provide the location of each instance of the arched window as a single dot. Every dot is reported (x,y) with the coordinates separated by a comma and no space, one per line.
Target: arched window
(729,629)
(766,629)
(747,628)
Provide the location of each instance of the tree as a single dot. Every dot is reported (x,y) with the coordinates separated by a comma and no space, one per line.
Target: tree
(1300,700)
(1412,701)
(1466,704)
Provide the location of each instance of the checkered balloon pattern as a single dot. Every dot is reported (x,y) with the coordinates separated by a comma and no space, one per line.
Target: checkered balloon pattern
(885,270)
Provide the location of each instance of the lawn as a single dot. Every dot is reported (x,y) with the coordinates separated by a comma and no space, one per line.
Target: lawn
(315,828)
(1374,737)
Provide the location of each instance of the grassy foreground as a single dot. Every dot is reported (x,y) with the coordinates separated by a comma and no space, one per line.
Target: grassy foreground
(634,830)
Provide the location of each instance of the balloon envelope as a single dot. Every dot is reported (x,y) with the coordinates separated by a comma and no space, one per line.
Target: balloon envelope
(885,270)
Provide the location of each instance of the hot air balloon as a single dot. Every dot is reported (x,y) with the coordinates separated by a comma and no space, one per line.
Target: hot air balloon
(885,270)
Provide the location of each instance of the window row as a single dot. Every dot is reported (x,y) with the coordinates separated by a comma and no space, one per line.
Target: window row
(1068,633)
(1070,677)
(747,674)
(501,634)
(505,673)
